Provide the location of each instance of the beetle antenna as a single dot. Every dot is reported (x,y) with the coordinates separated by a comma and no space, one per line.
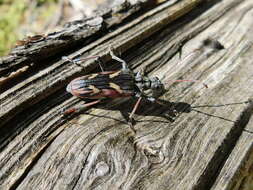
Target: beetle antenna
(186,80)
(78,60)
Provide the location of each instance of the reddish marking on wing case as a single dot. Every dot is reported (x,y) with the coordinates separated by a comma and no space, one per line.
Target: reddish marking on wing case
(111,93)
(82,93)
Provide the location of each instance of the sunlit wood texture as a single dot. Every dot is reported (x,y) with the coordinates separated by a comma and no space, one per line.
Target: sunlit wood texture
(206,145)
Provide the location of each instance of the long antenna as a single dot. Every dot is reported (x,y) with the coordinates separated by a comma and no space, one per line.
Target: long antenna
(78,60)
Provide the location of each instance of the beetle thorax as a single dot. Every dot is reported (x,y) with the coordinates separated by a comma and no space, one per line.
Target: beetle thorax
(146,83)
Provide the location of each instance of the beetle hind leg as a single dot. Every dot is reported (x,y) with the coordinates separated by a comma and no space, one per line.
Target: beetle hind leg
(100,64)
(76,109)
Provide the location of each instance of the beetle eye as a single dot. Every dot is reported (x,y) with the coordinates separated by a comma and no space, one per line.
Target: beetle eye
(159,86)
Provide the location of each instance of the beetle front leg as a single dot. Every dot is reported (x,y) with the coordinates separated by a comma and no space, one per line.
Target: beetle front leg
(154,100)
(135,108)
(79,60)
(79,108)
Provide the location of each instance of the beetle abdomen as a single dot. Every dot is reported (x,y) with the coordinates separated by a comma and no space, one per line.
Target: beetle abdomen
(106,84)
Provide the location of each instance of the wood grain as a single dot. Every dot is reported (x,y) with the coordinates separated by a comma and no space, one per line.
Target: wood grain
(97,150)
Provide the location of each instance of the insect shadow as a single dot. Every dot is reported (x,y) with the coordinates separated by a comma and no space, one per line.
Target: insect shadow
(168,110)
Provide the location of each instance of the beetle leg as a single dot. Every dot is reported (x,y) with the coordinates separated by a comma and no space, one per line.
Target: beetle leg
(79,108)
(66,58)
(124,65)
(154,100)
(100,65)
(135,108)
(132,113)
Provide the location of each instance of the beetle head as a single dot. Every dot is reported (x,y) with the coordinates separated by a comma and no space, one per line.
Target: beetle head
(156,84)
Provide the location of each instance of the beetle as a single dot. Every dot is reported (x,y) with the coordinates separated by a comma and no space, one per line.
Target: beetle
(114,84)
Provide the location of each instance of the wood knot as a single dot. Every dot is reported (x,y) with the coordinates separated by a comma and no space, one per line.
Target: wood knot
(101,169)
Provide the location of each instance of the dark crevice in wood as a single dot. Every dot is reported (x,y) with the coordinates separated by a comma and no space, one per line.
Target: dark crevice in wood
(29,115)
(75,181)
(209,177)
(242,184)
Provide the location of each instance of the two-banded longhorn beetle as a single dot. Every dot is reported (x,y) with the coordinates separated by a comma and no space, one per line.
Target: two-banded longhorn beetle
(113,84)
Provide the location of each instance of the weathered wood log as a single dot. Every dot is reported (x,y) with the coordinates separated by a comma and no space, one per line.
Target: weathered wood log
(206,145)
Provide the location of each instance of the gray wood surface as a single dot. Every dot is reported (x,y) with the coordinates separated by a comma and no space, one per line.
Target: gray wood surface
(206,145)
